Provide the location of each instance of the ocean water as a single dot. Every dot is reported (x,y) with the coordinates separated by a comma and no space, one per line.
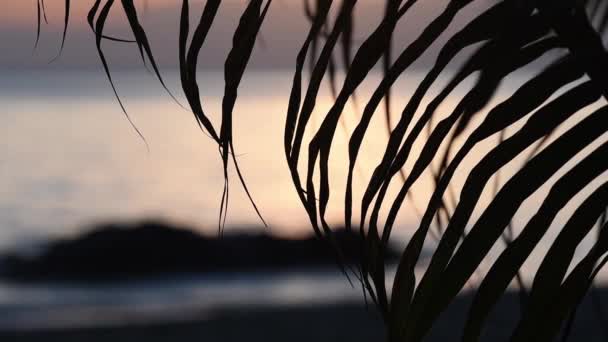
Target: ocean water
(69,158)
(25,307)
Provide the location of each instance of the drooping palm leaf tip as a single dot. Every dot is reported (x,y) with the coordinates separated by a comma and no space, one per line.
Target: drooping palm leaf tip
(565,37)
(236,63)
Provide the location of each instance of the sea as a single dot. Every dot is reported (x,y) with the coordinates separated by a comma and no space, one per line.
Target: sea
(71,158)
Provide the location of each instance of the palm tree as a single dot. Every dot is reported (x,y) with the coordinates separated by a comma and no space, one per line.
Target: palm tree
(564,37)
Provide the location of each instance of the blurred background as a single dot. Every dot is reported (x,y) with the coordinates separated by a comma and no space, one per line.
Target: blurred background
(96,224)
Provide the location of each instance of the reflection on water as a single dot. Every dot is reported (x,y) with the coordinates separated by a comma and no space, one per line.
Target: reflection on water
(68,158)
(44,306)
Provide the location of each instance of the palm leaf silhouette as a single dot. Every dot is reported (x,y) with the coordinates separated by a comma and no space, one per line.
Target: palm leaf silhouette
(565,37)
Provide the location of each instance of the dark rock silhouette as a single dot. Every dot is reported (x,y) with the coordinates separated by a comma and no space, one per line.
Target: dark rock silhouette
(117,252)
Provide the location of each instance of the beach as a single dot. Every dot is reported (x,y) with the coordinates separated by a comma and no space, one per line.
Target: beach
(344,321)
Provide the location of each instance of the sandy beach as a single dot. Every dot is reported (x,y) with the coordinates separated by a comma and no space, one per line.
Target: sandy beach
(346,321)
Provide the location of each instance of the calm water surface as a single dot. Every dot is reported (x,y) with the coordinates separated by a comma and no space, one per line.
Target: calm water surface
(69,158)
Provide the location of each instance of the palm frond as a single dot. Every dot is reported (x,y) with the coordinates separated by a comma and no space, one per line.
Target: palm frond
(562,41)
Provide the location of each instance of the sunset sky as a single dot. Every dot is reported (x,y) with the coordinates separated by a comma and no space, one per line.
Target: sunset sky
(282,32)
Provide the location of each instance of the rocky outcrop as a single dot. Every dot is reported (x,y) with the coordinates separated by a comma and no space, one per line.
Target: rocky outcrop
(121,252)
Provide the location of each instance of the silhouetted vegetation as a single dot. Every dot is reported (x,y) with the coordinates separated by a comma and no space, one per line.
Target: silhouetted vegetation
(562,39)
(121,252)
